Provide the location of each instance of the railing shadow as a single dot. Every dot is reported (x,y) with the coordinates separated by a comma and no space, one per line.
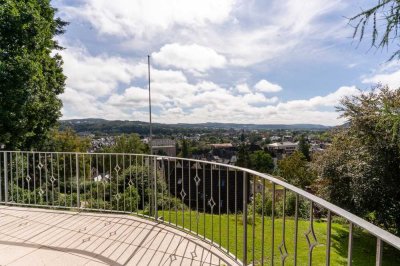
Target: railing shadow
(109,238)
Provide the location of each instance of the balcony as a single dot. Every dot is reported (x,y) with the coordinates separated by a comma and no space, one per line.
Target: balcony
(132,209)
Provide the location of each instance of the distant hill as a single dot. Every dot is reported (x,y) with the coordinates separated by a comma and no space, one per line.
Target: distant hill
(102,126)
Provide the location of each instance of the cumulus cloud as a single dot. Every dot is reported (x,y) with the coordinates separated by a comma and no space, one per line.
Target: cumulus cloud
(98,75)
(189,57)
(145,18)
(387,74)
(266,86)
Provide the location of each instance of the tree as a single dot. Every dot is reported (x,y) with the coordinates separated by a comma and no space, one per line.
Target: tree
(185,150)
(31,75)
(261,161)
(243,156)
(295,170)
(361,170)
(304,147)
(127,144)
(66,141)
(385,17)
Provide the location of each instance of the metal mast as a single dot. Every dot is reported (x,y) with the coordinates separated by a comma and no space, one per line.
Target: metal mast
(151,126)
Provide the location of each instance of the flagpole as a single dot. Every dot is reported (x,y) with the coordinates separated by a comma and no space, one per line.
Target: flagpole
(151,126)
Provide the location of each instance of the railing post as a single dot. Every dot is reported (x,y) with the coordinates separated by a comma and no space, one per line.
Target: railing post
(5,179)
(155,188)
(78,201)
(379,249)
(245,218)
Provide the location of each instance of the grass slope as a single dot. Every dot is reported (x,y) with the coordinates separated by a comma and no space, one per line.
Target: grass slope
(224,232)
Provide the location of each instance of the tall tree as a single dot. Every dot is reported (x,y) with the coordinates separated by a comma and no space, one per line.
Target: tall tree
(31,75)
(362,167)
(304,147)
(385,18)
(185,150)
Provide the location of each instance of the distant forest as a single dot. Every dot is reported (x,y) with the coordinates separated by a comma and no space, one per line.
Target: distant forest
(102,126)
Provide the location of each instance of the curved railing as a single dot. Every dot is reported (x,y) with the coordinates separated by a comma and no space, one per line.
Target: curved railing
(252,217)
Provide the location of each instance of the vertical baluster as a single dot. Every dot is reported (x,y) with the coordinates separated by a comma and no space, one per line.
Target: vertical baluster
(65,180)
(5,177)
(28,179)
(328,239)
(183,200)
(116,180)
(104,181)
(98,179)
(176,196)
(296,228)
(190,203)
(1,178)
(211,204)
(47,178)
(236,215)
(59,179)
(143,189)
(273,225)
(70,179)
(169,189)
(282,247)
(78,199)
(130,182)
(91,179)
(84,179)
(11,178)
(379,249)
(227,207)
(22,177)
(350,246)
(262,221)
(197,181)
(136,182)
(123,180)
(155,188)
(204,200)
(163,179)
(219,204)
(311,242)
(245,218)
(16,177)
(34,177)
(253,226)
(110,179)
(52,178)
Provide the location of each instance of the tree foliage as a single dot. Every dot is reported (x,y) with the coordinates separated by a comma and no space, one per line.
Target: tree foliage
(261,162)
(295,170)
(304,147)
(385,18)
(130,143)
(66,141)
(361,170)
(31,76)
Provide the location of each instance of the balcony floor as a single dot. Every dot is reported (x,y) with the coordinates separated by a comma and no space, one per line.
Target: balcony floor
(30,236)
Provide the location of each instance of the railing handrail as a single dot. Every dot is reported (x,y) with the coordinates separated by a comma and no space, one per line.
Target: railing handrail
(371,228)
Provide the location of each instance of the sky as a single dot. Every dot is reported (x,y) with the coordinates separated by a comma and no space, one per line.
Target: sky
(233,61)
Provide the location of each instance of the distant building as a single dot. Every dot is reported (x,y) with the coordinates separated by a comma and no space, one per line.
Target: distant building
(221,146)
(282,149)
(164,147)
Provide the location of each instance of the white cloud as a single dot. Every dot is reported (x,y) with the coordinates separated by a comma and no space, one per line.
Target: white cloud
(387,74)
(190,57)
(266,86)
(145,18)
(243,88)
(98,75)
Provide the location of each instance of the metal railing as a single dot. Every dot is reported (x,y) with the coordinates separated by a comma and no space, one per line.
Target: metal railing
(252,217)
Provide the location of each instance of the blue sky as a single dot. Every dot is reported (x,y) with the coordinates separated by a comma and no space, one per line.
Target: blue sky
(243,61)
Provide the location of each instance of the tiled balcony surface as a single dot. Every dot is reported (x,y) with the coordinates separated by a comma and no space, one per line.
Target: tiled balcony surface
(30,236)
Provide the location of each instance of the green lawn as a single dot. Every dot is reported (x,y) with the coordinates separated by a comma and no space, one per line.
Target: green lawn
(223,232)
